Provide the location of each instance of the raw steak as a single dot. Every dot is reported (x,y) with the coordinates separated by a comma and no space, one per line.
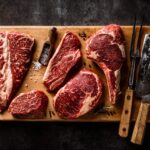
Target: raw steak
(30,105)
(80,95)
(66,56)
(15,56)
(106,48)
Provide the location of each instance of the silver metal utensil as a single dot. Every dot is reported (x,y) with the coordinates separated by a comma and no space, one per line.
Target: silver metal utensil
(143,92)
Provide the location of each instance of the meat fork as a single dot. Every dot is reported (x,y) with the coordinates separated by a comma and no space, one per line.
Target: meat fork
(128,100)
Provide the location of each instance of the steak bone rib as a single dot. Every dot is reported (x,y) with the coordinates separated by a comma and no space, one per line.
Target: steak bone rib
(106,48)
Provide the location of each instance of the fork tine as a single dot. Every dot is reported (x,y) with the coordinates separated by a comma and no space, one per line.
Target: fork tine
(133,38)
(139,38)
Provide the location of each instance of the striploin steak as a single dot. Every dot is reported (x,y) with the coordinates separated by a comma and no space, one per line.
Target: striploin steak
(30,105)
(106,48)
(65,57)
(80,95)
(15,56)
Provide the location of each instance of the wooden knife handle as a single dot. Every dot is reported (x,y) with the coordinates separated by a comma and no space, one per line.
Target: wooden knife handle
(126,113)
(140,124)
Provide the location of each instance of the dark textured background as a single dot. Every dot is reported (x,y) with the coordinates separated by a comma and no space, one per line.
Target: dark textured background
(68,136)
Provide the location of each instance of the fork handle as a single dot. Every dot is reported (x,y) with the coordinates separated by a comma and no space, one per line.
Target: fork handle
(126,113)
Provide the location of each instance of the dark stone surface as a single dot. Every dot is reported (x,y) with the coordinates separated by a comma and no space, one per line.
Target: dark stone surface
(68,136)
(71,12)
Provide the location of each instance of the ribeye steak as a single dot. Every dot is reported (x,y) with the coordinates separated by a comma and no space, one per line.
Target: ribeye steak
(15,56)
(80,95)
(30,105)
(106,48)
(65,57)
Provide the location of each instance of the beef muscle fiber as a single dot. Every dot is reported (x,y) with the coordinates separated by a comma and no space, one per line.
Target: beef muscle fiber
(106,48)
(15,56)
(65,57)
(80,95)
(29,105)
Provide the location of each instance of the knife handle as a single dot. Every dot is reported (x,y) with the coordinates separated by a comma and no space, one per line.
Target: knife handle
(140,124)
(126,114)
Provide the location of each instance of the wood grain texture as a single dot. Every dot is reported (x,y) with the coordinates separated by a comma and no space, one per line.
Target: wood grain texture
(140,124)
(126,113)
(108,113)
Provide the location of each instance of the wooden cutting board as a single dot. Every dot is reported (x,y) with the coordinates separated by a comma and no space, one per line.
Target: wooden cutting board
(33,80)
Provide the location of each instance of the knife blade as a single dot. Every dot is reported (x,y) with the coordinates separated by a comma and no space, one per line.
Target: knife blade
(48,47)
(143,92)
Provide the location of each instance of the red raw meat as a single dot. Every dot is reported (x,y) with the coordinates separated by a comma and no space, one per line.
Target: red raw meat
(66,56)
(15,57)
(80,95)
(30,105)
(106,48)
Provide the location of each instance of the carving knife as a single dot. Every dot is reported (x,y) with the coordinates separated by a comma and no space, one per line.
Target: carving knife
(48,47)
(143,92)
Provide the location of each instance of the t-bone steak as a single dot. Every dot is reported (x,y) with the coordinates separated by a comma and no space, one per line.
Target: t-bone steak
(106,48)
(15,56)
(65,57)
(80,95)
(30,105)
